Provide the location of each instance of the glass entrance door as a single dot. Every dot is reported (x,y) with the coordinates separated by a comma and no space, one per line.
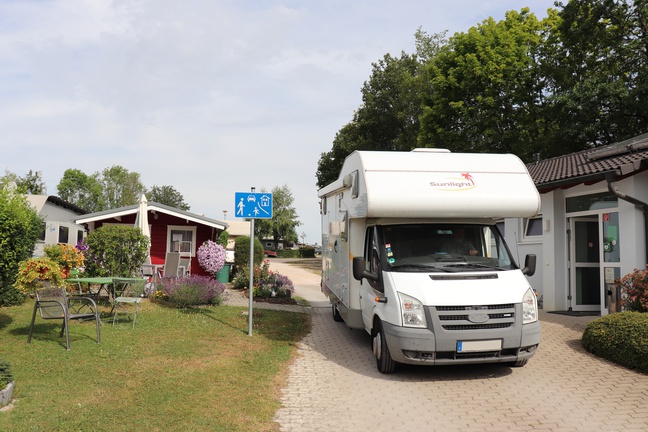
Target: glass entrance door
(585,253)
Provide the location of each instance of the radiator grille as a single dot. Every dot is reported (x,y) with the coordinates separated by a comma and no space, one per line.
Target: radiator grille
(476,317)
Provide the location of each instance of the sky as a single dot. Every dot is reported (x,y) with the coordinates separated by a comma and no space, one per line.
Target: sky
(212,97)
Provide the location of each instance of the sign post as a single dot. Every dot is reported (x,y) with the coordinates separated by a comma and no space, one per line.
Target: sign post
(251,205)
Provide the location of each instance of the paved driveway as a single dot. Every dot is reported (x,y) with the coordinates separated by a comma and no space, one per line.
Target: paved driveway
(334,384)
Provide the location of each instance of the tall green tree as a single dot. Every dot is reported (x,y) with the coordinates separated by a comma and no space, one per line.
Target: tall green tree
(284,222)
(82,190)
(20,227)
(388,118)
(31,183)
(167,195)
(486,90)
(600,70)
(120,187)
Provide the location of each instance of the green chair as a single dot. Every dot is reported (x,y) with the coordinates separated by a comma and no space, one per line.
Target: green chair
(128,295)
(53,303)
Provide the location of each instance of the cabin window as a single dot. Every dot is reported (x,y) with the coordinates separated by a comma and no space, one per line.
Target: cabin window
(64,234)
(181,239)
(41,235)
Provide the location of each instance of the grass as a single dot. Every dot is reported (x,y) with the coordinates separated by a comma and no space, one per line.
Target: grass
(194,369)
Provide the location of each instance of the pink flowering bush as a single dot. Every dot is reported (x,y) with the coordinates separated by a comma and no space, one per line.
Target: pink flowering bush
(635,286)
(211,257)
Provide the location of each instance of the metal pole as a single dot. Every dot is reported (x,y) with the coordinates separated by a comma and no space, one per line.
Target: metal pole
(251,273)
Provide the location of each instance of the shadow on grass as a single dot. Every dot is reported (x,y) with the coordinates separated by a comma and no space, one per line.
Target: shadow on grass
(271,324)
(5,320)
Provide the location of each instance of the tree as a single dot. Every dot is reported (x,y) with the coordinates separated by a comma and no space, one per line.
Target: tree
(388,118)
(167,195)
(486,92)
(82,190)
(600,70)
(20,227)
(120,187)
(31,183)
(282,226)
(112,188)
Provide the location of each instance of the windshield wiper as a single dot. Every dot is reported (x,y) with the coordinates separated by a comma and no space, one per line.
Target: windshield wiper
(474,266)
(418,267)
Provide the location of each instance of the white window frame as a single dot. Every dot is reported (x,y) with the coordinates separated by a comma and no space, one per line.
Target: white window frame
(525,229)
(169,242)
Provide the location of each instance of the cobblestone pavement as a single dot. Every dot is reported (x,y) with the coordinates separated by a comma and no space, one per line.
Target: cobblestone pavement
(334,385)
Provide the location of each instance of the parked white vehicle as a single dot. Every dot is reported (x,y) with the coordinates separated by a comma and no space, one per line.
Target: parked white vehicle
(412,254)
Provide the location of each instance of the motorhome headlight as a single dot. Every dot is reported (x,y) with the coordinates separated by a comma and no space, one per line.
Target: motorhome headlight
(529,307)
(412,311)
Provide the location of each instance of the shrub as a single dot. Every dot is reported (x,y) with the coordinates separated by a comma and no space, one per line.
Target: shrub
(20,227)
(115,250)
(635,286)
(266,283)
(211,257)
(242,253)
(621,338)
(6,375)
(288,253)
(191,291)
(307,252)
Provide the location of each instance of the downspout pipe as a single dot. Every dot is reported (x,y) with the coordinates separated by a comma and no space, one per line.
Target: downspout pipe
(610,178)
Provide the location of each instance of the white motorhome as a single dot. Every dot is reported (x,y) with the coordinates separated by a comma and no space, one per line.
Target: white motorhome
(412,254)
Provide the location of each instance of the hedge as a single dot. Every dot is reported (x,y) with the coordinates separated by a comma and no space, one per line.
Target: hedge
(621,338)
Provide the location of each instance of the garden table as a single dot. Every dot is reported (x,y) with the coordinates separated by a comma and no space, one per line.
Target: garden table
(105,283)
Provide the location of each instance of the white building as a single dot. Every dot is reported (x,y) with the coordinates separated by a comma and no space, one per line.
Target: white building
(592,228)
(58,221)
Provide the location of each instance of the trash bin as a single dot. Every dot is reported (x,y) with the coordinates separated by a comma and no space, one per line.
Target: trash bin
(223,274)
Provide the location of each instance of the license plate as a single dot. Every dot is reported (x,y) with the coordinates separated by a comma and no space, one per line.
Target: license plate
(482,345)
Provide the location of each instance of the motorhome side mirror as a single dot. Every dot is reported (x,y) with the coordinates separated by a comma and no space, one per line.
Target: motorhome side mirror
(359,270)
(529,265)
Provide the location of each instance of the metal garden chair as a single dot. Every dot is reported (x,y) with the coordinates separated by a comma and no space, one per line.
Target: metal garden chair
(128,295)
(53,303)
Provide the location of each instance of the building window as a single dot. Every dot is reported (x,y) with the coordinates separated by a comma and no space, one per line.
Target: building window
(79,236)
(533,227)
(591,202)
(182,239)
(41,235)
(64,234)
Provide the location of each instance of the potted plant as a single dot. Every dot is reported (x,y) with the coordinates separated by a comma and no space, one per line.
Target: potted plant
(6,383)
(68,257)
(38,272)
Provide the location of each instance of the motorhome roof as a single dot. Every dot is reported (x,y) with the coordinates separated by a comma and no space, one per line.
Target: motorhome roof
(437,184)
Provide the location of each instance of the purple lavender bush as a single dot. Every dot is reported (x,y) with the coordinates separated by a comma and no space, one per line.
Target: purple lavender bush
(191,291)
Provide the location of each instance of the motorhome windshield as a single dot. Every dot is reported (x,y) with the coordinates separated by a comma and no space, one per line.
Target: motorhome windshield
(445,248)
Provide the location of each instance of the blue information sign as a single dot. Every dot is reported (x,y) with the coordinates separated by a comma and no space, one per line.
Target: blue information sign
(251,205)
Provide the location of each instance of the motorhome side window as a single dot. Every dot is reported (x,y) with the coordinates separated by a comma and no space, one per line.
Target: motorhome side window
(343,225)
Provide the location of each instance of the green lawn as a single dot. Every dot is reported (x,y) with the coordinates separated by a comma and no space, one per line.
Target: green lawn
(194,369)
